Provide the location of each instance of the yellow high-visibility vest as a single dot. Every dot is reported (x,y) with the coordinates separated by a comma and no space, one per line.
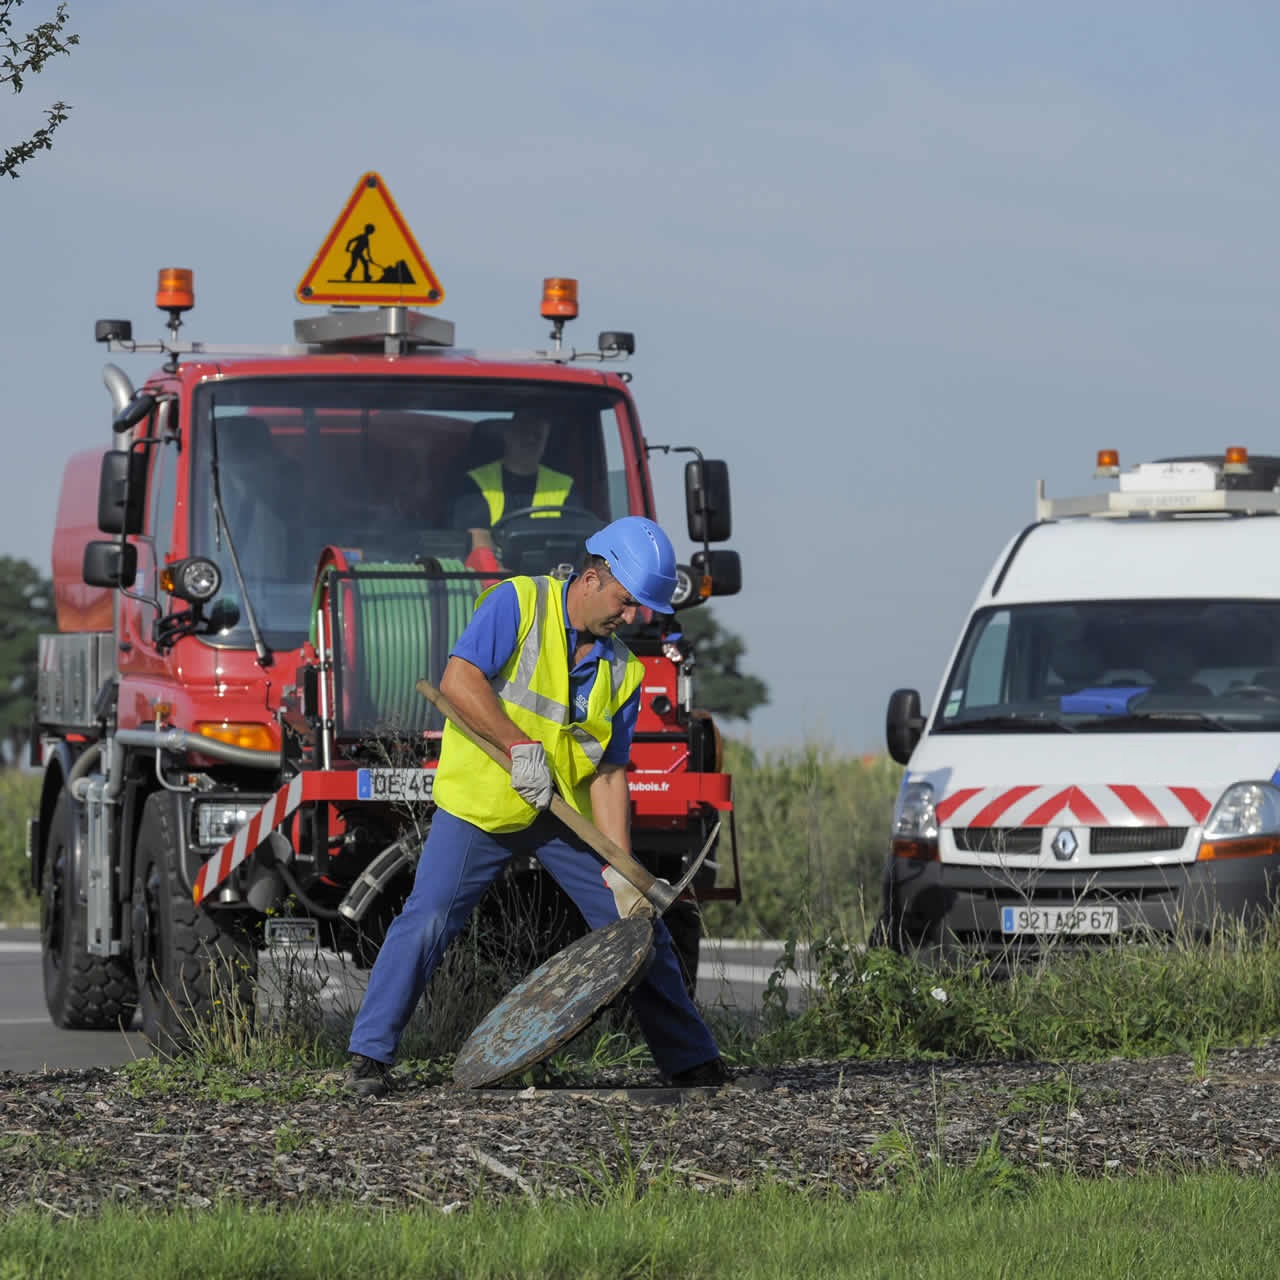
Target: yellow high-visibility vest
(533,687)
(551,489)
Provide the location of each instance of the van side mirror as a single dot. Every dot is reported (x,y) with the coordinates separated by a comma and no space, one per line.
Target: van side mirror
(122,491)
(903,724)
(724,568)
(110,564)
(706,500)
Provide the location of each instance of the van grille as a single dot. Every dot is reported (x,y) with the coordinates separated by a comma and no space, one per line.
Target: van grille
(1102,840)
(998,839)
(1136,839)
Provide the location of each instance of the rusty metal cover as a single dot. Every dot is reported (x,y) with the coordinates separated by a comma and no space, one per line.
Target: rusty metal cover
(556,1001)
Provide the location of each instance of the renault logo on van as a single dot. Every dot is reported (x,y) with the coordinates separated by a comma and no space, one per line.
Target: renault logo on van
(1065,845)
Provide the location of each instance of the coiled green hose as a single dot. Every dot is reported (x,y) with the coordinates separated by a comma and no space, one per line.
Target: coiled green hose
(403,622)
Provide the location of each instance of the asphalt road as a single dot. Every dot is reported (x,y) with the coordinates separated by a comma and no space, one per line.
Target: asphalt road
(731,974)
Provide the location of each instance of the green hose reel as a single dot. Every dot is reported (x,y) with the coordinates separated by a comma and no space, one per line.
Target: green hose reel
(394,624)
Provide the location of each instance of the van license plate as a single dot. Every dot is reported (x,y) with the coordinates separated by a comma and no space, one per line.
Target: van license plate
(1059,919)
(394,784)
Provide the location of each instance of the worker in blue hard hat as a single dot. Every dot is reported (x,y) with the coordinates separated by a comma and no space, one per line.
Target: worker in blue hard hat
(541,674)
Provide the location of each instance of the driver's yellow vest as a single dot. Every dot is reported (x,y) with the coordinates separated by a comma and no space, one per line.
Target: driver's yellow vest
(533,687)
(551,490)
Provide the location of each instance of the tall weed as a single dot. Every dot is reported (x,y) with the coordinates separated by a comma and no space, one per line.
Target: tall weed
(813,827)
(1133,1000)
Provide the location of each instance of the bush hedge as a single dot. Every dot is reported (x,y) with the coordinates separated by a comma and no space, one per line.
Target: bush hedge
(19,796)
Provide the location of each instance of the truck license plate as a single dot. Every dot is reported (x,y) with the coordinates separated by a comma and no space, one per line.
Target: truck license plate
(1059,919)
(394,784)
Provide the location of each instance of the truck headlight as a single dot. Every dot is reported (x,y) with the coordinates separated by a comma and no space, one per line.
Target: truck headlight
(194,579)
(915,822)
(218,821)
(1244,823)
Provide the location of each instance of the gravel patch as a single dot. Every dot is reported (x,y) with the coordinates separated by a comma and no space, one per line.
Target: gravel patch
(73,1141)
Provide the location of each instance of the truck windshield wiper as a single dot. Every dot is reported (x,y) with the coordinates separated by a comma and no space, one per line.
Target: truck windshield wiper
(1143,719)
(1011,720)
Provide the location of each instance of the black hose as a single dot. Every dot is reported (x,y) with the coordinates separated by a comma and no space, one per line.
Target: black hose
(321,913)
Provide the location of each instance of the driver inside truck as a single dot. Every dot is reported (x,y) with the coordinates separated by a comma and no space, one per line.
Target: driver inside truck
(514,482)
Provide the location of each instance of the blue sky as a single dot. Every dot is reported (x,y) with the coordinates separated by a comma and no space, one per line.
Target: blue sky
(893,262)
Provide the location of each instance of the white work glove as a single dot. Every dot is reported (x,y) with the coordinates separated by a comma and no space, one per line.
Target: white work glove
(531,774)
(630,901)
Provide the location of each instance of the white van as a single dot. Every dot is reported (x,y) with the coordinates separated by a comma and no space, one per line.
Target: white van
(1101,758)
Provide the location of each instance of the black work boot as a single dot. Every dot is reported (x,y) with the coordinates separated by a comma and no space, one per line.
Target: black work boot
(368,1077)
(711,1073)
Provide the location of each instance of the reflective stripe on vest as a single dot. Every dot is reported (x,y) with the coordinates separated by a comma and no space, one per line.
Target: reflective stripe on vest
(551,490)
(534,689)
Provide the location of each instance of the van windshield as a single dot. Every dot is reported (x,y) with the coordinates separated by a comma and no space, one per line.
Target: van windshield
(391,470)
(1117,666)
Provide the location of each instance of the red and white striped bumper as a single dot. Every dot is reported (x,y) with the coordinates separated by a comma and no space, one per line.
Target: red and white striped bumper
(1095,805)
(316,785)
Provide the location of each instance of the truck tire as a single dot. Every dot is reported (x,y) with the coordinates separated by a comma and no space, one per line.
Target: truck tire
(83,992)
(192,967)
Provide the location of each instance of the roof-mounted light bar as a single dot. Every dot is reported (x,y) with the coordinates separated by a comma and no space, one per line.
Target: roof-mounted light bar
(1169,488)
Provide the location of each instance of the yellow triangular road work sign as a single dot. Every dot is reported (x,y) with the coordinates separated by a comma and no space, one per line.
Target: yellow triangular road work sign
(370,256)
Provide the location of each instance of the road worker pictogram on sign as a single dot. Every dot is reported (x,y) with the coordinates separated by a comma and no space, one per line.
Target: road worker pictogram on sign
(370,256)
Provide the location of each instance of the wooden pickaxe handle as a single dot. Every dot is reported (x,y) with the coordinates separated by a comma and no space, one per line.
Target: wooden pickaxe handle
(661,894)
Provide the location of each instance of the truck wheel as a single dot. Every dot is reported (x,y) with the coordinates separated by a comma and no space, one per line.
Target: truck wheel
(684,921)
(83,992)
(191,966)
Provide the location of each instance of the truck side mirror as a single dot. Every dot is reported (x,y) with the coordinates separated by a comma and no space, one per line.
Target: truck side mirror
(141,406)
(122,491)
(706,499)
(110,564)
(903,724)
(724,568)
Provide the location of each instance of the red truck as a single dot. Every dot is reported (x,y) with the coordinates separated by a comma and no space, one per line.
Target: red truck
(250,582)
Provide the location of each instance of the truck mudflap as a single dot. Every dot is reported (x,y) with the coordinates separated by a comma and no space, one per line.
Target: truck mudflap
(372,785)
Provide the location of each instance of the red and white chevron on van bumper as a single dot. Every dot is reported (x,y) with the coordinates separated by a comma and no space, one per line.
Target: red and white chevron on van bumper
(1096,805)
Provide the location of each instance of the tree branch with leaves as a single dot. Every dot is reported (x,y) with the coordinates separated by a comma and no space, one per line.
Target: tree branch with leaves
(24,55)
(719,685)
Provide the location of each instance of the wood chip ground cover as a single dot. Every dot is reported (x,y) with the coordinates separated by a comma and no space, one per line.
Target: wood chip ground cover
(73,1141)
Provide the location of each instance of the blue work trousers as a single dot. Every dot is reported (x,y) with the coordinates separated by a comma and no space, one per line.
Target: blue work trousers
(458,863)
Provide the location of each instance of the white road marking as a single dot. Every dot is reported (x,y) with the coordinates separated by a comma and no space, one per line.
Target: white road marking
(19,948)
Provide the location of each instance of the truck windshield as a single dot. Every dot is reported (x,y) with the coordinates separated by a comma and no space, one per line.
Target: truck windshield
(1158,666)
(392,470)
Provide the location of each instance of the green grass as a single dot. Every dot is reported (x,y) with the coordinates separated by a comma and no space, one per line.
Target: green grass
(19,796)
(958,1224)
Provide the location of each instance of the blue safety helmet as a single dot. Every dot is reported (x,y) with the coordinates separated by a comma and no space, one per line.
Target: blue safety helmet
(641,557)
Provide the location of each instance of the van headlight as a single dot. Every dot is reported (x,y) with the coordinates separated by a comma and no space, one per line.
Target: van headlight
(1245,809)
(1244,823)
(915,822)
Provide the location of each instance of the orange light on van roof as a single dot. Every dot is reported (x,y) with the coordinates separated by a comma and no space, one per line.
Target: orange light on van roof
(1237,455)
(1108,464)
(560,298)
(175,290)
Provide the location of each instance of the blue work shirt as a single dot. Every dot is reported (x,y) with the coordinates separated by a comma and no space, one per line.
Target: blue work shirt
(490,639)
